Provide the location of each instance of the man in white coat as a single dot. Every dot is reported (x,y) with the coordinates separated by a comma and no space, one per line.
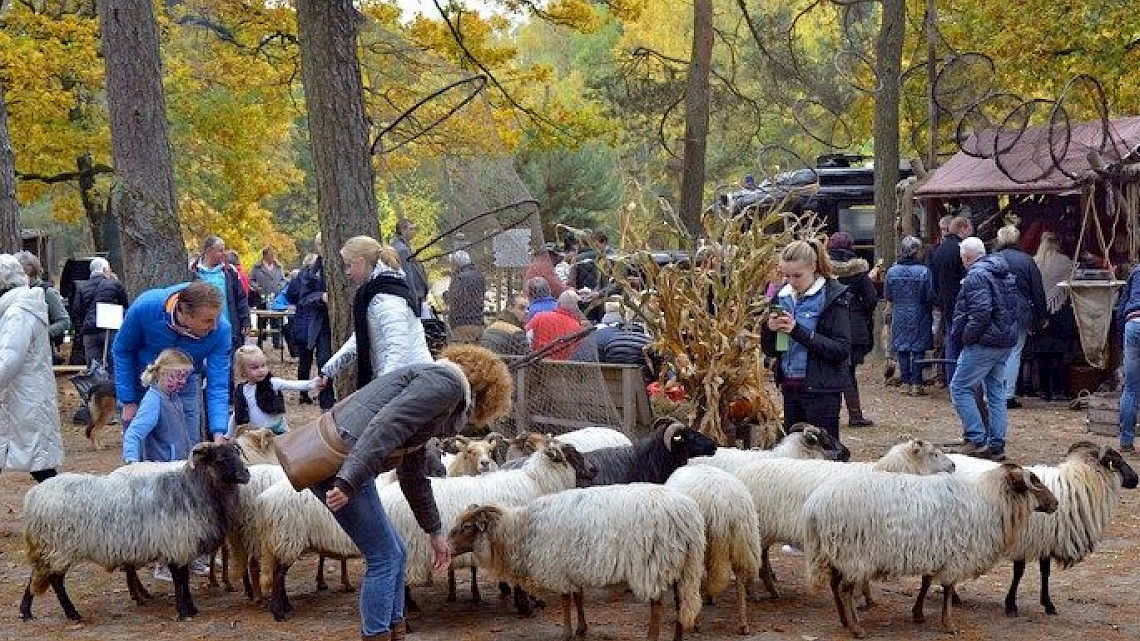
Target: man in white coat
(30,439)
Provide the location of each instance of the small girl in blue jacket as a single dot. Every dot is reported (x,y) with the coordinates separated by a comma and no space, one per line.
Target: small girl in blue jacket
(158,431)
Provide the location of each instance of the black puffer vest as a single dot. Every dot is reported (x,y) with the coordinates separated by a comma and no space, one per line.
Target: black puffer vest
(270,401)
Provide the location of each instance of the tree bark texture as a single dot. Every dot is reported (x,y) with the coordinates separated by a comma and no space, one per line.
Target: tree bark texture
(143,199)
(697,117)
(104,227)
(9,208)
(338,131)
(888,67)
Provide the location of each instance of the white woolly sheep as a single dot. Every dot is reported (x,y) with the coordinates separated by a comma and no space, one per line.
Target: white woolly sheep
(881,526)
(648,537)
(171,517)
(584,440)
(802,442)
(779,487)
(293,523)
(1087,486)
(732,545)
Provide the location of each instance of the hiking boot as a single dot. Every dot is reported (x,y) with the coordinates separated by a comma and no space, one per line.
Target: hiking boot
(1128,449)
(860,421)
(305,399)
(992,453)
(969,448)
(1012,404)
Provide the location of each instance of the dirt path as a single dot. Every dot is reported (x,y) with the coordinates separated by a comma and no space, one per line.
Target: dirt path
(1097,599)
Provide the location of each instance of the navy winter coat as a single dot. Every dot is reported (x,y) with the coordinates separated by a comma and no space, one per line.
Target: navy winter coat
(910,289)
(312,316)
(851,271)
(985,311)
(1030,291)
(947,271)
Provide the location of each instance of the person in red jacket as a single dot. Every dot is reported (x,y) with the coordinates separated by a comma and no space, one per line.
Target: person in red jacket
(547,327)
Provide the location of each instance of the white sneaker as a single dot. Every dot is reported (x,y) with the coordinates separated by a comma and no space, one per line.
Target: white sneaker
(790,550)
(162,573)
(201,566)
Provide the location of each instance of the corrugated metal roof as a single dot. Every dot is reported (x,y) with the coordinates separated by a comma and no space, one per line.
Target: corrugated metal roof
(1027,157)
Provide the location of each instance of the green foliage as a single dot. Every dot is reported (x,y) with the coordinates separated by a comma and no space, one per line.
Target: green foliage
(571,185)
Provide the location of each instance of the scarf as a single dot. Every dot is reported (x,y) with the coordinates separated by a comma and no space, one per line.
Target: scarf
(383,283)
(1055,267)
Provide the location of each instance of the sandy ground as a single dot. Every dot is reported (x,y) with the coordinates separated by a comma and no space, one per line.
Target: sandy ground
(1097,599)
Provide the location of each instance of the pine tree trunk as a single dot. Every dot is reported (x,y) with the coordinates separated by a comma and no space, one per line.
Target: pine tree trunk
(697,118)
(888,69)
(338,131)
(143,199)
(9,207)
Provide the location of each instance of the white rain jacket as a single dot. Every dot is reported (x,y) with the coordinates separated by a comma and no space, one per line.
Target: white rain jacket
(30,439)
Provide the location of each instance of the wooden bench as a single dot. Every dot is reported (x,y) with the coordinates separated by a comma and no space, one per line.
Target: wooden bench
(549,393)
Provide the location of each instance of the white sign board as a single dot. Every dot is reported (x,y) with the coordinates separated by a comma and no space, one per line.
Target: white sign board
(108,316)
(512,248)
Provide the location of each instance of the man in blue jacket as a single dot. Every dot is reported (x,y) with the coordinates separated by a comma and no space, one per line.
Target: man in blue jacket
(984,325)
(188,317)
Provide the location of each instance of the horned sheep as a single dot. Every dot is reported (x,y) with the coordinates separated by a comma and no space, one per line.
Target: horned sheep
(648,537)
(803,441)
(732,544)
(779,487)
(653,457)
(1087,486)
(880,526)
(171,516)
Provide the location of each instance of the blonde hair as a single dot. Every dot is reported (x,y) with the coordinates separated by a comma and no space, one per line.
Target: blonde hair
(169,358)
(1049,247)
(363,248)
(242,356)
(811,252)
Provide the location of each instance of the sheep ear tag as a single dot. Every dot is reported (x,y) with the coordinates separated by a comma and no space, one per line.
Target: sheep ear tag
(811,439)
(555,454)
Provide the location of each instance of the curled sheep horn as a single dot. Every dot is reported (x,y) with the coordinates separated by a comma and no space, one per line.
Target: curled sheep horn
(671,432)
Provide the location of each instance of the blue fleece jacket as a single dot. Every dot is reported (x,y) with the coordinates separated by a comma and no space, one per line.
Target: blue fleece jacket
(147,330)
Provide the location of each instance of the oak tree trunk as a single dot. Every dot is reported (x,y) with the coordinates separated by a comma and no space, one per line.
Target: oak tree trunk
(697,118)
(9,207)
(143,199)
(338,131)
(888,69)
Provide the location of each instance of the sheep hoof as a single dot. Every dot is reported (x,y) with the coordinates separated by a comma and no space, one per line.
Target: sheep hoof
(1011,611)
(322,586)
(1049,609)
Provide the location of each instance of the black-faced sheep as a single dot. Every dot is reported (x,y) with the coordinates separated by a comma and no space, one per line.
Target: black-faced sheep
(880,526)
(1087,486)
(779,487)
(803,441)
(126,520)
(648,537)
(653,457)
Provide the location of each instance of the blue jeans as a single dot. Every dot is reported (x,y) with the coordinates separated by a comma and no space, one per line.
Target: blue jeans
(1131,382)
(909,370)
(191,395)
(950,350)
(1013,365)
(382,587)
(985,365)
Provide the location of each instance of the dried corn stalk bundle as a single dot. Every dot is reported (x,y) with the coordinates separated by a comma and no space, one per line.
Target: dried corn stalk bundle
(704,315)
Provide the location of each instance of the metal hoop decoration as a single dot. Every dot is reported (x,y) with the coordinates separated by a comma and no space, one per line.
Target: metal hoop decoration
(513,222)
(983,147)
(1059,119)
(480,83)
(1020,117)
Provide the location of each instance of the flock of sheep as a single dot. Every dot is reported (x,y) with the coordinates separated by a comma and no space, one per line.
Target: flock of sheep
(669,513)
